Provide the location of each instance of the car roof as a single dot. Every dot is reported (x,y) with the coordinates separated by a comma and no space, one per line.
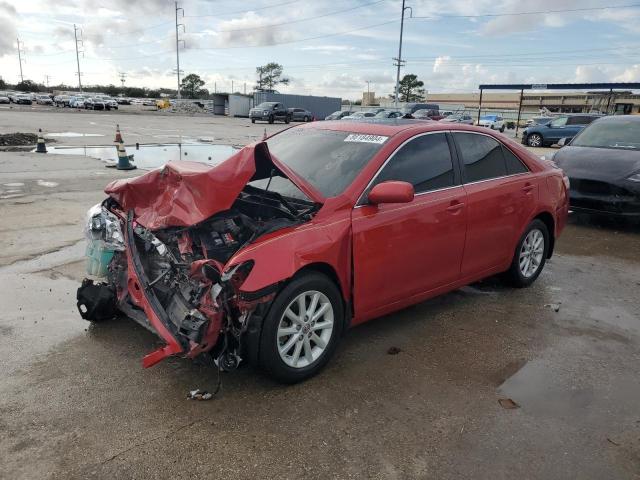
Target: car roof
(619,118)
(378,126)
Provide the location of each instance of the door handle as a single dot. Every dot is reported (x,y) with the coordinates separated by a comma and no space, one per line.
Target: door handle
(455,206)
(527,188)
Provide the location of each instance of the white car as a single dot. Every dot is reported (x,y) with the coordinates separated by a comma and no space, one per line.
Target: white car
(110,102)
(76,102)
(359,115)
(44,100)
(494,122)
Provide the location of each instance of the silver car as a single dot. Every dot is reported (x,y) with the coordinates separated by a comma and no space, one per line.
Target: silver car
(459,118)
(300,115)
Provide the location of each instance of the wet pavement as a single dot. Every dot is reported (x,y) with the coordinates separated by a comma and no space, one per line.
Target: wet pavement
(75,402)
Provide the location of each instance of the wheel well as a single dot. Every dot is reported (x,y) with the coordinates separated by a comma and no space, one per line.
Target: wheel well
(330,272)
(547,219)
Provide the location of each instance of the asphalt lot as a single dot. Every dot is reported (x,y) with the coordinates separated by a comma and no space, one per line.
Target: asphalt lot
(75,402)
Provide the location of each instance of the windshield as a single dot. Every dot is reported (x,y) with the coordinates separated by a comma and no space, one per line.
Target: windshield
(488,117)
(266,105)
(619,134)
(327,159)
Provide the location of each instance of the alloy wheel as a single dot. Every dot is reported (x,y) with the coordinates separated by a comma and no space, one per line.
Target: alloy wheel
(534,140)
(531,253)
(305,329)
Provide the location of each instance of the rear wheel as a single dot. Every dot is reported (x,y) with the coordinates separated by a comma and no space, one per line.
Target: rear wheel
(502,129)
(271,119)
(253,120)
(534,140)
(287,119)
(302,329)
(530,255)
(306,119)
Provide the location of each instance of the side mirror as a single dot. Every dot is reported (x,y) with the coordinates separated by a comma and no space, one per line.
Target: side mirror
(391,192)
(563,141)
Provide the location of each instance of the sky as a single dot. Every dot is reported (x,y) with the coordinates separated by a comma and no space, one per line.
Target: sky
(327,47)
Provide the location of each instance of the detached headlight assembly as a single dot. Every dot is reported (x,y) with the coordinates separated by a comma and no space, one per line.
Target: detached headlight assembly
(102,225)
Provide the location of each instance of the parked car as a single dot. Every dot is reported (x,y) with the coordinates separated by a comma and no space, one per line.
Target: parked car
(4,98)
(389,114)
(61,100)
(603,166)
(294,239)
(563,126)
(136,101)
(95,104)
(44,100)
(270,112)
(538,121)
(149,102)
(459,118)
(110,103)
(76,101)
(494,122)
(300,115)
(23,99)
(123,101)
(359,115)
(414,107)
(339,115)
(420,115)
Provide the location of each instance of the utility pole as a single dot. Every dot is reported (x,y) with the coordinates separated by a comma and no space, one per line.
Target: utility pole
(399,61)
(178,25)
(46,80)
(231,86)
(20,53)
(75,34)
(123,77)
(368,91)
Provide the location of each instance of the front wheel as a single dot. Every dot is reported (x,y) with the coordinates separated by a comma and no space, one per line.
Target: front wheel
(302,329)
(287,119)
(502,129)
(306,119)
(530,255)
(253,120)
(271,119)
(534,140)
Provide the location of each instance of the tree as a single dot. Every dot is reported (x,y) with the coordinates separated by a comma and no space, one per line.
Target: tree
(410,89)
(3,84)
(191,86)
(269,76)
(28,86)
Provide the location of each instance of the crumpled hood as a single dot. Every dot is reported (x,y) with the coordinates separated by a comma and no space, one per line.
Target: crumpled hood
(604,164)
(185,193)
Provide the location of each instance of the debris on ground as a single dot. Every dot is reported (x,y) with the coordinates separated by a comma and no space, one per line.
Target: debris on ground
(507,403)
(394,351)
(187,108)
(17,139)
(553,306)
(612,442)
(199,395)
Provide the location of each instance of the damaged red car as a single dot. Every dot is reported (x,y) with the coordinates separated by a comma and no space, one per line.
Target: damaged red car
(269,256)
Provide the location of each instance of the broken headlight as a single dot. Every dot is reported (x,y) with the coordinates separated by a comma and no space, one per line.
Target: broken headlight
(238,273)
(102,225)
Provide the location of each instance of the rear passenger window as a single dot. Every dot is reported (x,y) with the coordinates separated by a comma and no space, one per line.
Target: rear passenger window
(425,162)
(482,156)
(514,164)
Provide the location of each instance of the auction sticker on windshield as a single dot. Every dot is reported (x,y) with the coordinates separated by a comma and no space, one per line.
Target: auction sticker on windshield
(362,138)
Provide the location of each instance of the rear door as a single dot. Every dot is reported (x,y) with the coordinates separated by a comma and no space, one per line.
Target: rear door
(403,250)
(501,197)
(557,129)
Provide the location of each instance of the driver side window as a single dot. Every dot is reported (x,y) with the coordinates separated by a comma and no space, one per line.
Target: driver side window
(425,162)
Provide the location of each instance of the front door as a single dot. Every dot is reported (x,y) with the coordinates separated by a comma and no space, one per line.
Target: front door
(402,251)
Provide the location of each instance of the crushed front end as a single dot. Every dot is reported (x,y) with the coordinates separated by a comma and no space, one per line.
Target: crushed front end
(176,280)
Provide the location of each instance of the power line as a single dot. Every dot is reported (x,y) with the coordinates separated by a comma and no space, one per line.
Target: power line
(245,11)
(300,20)
(536,12)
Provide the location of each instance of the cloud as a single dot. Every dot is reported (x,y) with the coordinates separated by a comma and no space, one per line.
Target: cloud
(8,31)
(251,29)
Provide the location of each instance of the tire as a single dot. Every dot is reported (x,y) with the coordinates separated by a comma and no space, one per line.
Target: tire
(535,140)
(253,120)
(280,361)
(287,119)
(271,119)
(306,119)
(522,273)
(502,129)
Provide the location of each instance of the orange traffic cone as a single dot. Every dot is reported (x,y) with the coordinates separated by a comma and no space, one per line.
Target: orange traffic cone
(118,138)
(41,147)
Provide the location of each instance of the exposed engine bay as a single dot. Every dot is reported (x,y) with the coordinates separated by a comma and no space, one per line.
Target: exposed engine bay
(174,278)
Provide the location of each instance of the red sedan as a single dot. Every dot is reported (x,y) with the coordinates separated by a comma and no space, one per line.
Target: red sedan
(271,255)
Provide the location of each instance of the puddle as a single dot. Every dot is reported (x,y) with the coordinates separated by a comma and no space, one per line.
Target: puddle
(44,183)
(73,134)
(153,156)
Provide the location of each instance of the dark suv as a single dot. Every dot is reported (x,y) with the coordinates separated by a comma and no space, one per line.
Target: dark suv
(563,126)
(270,112)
